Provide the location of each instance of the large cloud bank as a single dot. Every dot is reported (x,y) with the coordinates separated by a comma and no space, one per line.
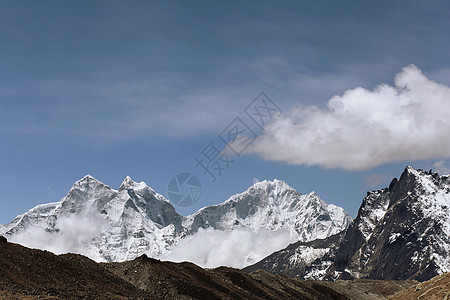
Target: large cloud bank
(238,248)
(207,248)
(365,128)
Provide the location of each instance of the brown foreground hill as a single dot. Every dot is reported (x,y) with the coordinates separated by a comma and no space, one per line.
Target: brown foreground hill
(34,274)
(437,288)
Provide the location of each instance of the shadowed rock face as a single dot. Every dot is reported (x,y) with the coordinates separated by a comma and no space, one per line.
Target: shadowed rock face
(401,232)
(30,274)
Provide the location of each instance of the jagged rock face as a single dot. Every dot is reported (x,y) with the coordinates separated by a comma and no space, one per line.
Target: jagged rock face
(372,210)
(409,236)
(155,207)
(135,220)
(401,232)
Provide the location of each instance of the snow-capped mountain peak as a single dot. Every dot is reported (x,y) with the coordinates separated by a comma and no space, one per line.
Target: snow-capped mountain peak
(87,182)
(273,189)
(129,183)
(141,188)
(276,184)
(274,205)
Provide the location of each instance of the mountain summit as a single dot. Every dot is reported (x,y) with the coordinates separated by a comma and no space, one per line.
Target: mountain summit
(274,205)
(401,232)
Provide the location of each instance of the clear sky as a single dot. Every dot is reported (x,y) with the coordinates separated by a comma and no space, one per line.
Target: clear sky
(140,88)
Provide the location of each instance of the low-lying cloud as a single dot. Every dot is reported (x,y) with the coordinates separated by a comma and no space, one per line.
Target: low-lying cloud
(241,247)
(365,128)
(73,235)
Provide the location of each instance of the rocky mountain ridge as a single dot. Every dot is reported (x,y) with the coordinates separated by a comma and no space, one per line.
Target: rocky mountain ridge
(401,232)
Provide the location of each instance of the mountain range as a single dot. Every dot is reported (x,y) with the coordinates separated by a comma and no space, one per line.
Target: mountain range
(117,225)
(401,232)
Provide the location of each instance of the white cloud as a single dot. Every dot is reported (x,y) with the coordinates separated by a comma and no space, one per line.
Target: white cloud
(238,248)
(75,232)
(362,128)
(255,180)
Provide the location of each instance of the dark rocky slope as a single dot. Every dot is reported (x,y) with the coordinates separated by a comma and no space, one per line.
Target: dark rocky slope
(29,272)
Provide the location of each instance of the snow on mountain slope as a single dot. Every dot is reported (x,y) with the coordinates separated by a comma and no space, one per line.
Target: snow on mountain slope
(116,225)
(434,204)
(274,206)
(372,211)
(140,220)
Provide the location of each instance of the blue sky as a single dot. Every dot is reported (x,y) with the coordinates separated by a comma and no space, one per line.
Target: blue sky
(138,88)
